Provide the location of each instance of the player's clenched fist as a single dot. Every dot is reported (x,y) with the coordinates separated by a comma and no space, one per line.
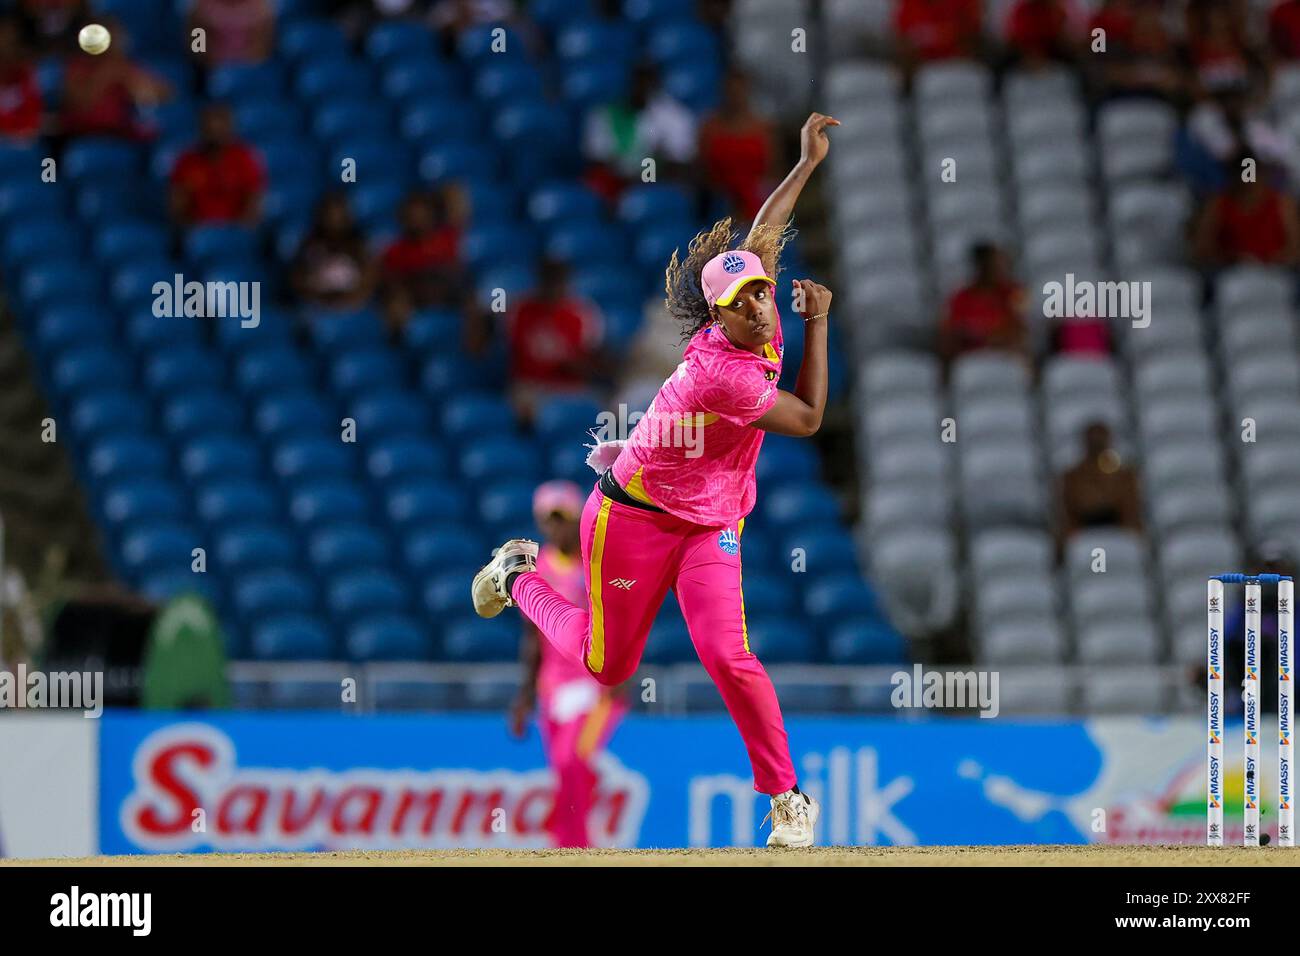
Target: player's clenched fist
(811,298)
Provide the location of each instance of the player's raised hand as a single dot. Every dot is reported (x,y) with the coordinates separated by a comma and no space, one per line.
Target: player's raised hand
(813,141)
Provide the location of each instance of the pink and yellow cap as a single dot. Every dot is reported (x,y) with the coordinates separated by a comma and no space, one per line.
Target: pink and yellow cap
(725,273)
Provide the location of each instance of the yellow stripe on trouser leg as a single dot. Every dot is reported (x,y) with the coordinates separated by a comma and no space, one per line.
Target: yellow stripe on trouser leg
(592,727)
(596,653)
(744,628)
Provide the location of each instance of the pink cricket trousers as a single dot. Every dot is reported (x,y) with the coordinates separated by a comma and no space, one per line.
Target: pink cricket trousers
(571,747)
(632,557)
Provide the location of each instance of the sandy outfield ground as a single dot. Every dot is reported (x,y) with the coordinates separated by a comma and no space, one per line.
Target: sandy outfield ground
(813,856)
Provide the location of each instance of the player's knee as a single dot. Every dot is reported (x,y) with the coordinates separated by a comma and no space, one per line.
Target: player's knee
(611,672)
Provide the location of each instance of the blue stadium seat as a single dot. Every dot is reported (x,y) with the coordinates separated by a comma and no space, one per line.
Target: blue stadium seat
(55,282)
(430,122)
(163,586)
(825,550)
(209,243)
(365,370)
(654,203)
(649,13)
(101,413)
(272,369)
(123,456)
(767,592)
(430,547)
(865,640)
(300,413)
(588,84)
(355,593)
(564,202)
(220,456)
(421,501)
(555,14)
(271,592)
(323,79)
(781,639)
(786,459)
(185,368)
(601,40)
(696,84)
(144,500)
(38,240)
(481,414)
(324,501)
(587,243)
(386,413)
(201,412)
(569,461)
(682,42)
(60,329)
(304,39)
(132,282)
(272,330)
(388,637)
(226,500)
(669,641)
(101,158)
(798,503)
(501,81)
(566,418)
(146,332)
(159,546)
(340,546)
(312,456)
(488,458)
(477,639)
(398,458)
(444,591)
(448,374)
(120,242)
(837,596)
(508,502)
(398,38)
(249,547)
(259,120)
(433,330)
(243,82)
(479,42)
(291,637)
(87,369)
(352,119)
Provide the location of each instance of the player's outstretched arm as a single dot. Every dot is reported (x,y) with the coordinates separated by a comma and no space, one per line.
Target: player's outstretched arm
(813,145)
(799,413)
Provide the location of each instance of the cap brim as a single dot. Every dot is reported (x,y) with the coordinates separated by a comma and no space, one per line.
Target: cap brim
(730,291)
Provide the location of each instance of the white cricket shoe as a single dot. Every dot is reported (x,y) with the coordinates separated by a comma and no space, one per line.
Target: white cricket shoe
(793,815)
(489,587)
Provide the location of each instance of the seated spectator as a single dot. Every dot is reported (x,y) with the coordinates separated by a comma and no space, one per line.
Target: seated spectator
(1284,30)
(1100,491)
(451,18)
(554,338)
(333,268)
(1038,32)
(1247,222)
(1235,121)
(102,94)
(237,31)
(737,149)
(926,31)
(219,179)
(422,265)
(1141,57)
(1217,50)
(20,94)
(650,124)
(989,312)
(50,27)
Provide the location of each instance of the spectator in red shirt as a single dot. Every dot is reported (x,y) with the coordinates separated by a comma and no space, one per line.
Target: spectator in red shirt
(1038,32)
(219,179)
(1217,49)
(333,268)
(736,149)
(237,31)
(930,30)
(1248,222)
(1284,29)
(1141,57)
(102,94)
(422,265)
(555,340)
(20,95)
(989,312)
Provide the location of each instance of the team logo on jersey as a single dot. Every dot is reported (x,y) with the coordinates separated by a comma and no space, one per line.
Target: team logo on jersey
(728,541)
(623,583)
(732,263)
(770,376)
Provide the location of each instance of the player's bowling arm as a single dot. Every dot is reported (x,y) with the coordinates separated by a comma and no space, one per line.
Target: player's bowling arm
(813,145)
(799,413)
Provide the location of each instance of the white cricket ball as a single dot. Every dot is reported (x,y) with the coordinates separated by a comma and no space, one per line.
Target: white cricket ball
(94,38)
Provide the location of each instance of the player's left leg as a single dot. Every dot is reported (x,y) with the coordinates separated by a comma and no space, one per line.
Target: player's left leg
(708,589)
(571,748)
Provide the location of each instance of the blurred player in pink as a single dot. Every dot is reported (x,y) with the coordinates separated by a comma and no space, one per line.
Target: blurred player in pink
(577,715)
(669,508)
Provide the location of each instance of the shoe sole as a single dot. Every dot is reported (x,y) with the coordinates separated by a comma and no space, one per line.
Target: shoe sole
(487,603)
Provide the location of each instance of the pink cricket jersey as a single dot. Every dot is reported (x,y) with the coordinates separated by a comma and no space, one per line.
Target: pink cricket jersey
(694,451)
(567,576)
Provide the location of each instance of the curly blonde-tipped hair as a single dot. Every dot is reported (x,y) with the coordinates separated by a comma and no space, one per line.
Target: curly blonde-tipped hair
(684,294)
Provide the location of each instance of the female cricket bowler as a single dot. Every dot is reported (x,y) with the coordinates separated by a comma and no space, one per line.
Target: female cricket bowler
(670,513)
(576,715)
